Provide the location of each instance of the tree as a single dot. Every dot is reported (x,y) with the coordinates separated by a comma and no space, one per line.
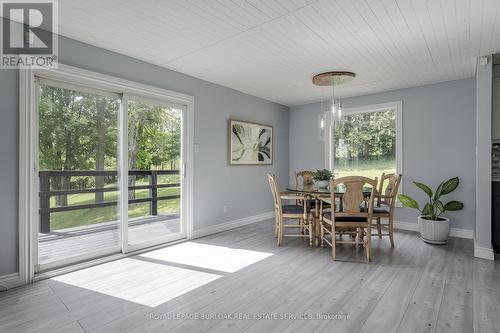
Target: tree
(100,146)
(168,149)
(136,129)
(79,131)
(366,136)
(154,138)
(63,139)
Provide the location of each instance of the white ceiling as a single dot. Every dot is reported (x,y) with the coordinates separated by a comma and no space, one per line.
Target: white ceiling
(272,48)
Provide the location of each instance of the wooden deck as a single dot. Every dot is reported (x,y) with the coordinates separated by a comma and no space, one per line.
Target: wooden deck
(415,287)
(64,243)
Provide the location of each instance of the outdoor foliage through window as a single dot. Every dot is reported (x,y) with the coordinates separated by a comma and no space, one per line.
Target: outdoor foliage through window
(365,144)
(79,131)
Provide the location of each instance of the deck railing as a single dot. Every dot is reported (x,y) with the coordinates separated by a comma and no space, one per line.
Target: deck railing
(46,193)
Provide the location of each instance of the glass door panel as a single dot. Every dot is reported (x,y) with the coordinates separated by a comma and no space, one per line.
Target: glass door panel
(154,163)
(77,178)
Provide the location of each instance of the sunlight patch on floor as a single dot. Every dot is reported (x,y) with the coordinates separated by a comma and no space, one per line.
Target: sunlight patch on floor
(138,281)
(218,258)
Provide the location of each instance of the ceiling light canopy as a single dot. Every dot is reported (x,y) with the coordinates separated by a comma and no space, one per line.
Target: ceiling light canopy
(333,78)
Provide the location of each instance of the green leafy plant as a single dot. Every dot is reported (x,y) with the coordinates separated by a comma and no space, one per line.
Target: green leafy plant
(324,174)
(435,207)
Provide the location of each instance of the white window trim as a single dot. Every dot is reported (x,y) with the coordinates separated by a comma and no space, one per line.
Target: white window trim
(28,195)
(398,106)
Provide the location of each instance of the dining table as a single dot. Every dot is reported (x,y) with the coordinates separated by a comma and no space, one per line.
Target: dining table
(316,193)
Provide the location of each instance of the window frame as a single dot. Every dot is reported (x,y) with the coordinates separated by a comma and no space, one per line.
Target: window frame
(397,106)
(70,77)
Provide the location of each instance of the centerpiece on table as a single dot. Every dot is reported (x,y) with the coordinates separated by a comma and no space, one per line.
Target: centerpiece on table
(322,178)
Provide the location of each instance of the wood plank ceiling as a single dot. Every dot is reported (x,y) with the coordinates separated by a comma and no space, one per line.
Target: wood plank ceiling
(272,48)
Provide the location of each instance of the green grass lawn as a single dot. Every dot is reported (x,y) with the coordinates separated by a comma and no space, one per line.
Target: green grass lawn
(81,217)
(62,220)
(370,168)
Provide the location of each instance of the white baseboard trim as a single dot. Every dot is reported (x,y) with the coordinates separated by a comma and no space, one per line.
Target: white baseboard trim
(405,226)
(461,233)
(454,232)
(483,253)
(213,229)
(10,281)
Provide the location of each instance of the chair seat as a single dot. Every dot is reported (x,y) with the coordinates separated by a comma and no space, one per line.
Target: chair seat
(328,215)
(292,209)
(311,205)
(311,202)
(376,210)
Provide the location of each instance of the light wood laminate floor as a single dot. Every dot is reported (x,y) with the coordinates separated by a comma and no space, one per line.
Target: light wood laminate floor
(223,282)
(64,243)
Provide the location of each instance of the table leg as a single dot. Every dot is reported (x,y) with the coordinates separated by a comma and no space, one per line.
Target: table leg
(317,223)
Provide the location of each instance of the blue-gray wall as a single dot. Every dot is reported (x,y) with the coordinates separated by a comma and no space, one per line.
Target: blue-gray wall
(243,189)
(438,140)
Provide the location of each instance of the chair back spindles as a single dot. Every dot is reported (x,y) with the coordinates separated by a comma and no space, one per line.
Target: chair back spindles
(391,189)
(354,195)
(306,176)
(275,191)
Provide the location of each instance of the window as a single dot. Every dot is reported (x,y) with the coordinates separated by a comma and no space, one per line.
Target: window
(110,162)
(367,141)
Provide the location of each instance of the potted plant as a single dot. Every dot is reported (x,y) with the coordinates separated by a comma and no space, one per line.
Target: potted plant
(322,178)
(434,228)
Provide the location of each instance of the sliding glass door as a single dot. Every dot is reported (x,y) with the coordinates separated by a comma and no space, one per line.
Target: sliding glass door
(77,173)
(154,161)
(108,173)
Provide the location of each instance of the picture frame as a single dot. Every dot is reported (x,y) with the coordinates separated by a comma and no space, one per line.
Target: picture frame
(249,143)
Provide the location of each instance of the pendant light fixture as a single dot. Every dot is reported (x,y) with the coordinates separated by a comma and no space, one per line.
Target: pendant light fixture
(333,79)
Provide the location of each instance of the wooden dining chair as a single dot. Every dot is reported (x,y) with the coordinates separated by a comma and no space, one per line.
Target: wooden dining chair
(304,177)
(352,216)
(385,201)
(286,212)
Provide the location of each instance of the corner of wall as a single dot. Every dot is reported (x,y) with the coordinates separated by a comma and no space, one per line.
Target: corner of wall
(482,235)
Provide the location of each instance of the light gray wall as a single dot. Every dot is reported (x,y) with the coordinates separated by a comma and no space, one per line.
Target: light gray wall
(243,189)
(483,157)
(438,141)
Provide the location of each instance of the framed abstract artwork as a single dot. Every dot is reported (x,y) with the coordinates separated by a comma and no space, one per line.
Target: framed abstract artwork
(250,143)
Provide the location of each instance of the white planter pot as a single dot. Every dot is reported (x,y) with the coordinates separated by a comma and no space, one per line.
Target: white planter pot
(322,183)
(434,232)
